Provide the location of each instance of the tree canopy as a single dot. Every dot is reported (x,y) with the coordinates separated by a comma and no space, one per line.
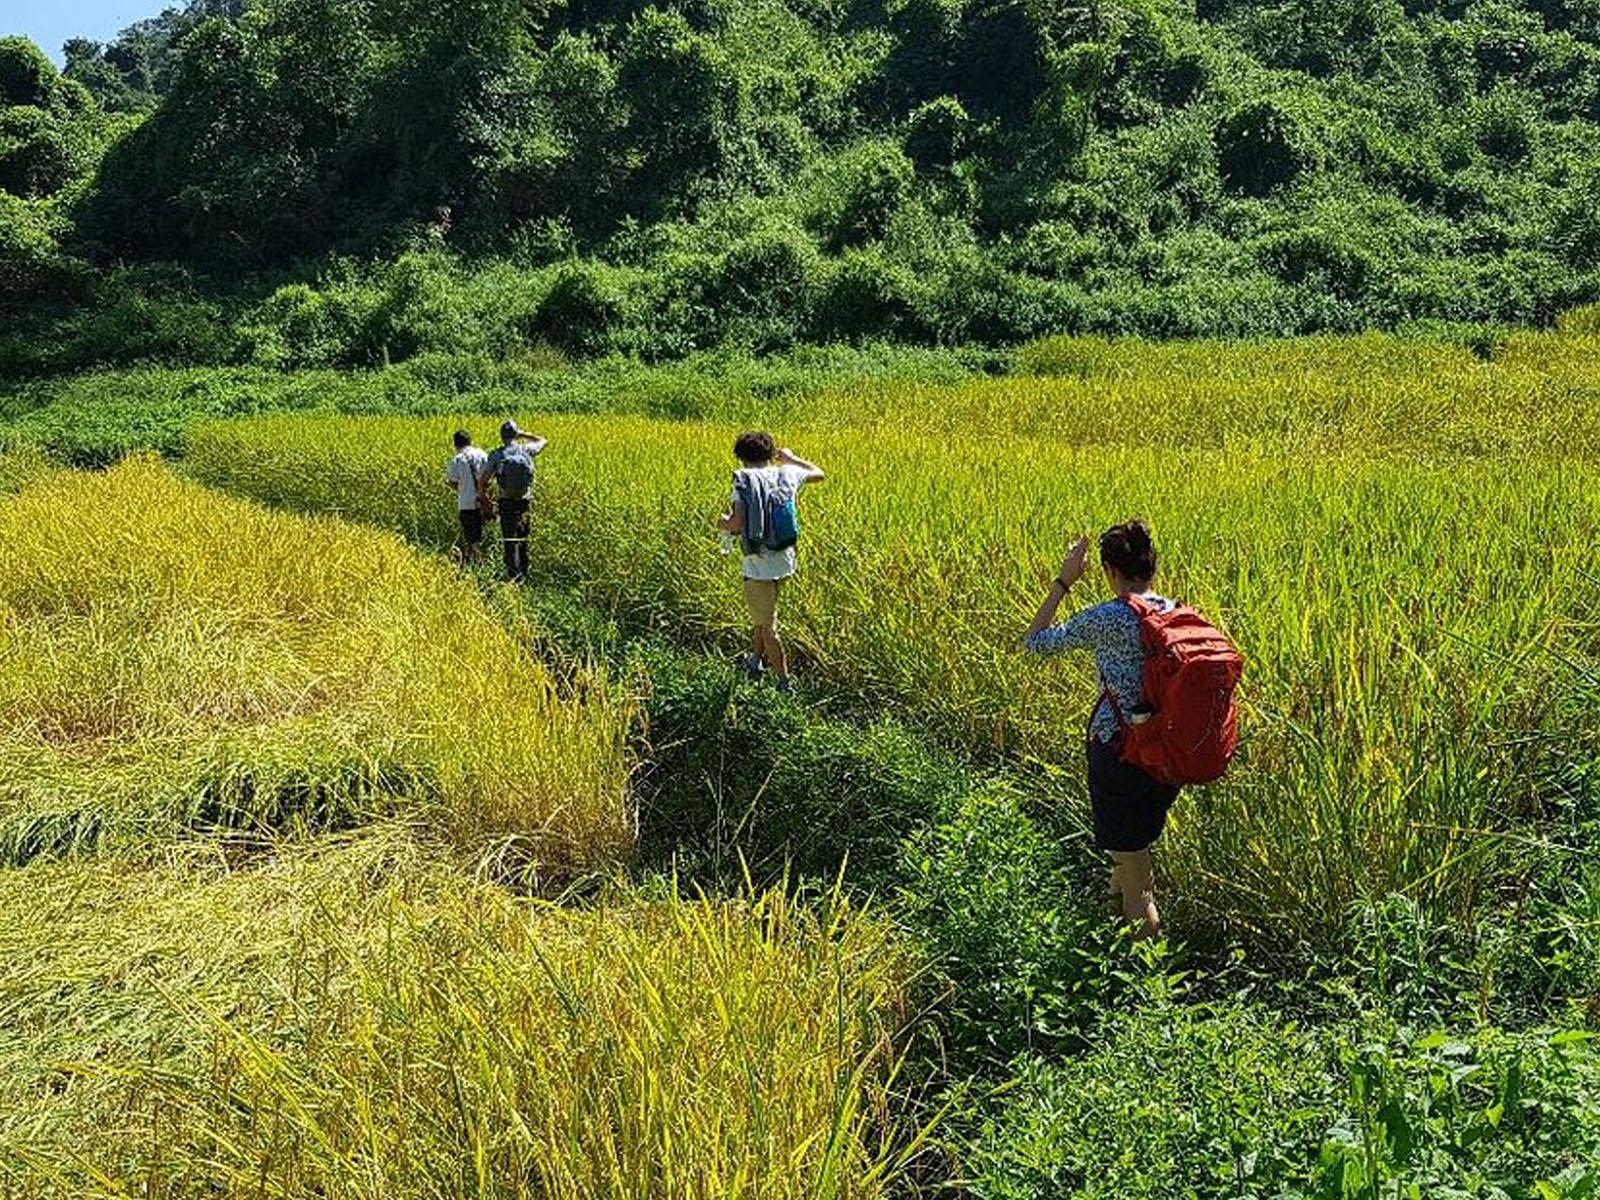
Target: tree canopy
(768,171)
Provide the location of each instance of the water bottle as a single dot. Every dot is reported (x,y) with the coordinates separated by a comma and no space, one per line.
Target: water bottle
(726,547)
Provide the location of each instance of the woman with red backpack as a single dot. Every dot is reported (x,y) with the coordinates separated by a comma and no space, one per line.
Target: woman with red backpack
(1165,716)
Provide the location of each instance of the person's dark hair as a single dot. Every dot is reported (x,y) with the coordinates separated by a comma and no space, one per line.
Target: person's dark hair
(1130,551)
(463,439)
(755,447)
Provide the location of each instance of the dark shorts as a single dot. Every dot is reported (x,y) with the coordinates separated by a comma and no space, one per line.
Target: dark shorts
(472,526)
(1130,808)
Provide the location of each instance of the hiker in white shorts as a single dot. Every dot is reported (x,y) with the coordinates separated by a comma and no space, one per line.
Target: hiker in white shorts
(762,514)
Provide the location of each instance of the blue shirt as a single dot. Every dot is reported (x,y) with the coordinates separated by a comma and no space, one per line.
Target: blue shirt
(1111,630)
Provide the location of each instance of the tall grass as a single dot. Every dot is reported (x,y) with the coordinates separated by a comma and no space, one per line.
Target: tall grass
(1380,395)
(358,1022)
(1537,392)
(1415,633)
(21,465)
(175,659)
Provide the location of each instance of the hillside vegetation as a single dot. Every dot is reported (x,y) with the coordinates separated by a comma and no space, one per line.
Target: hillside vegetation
(326,182)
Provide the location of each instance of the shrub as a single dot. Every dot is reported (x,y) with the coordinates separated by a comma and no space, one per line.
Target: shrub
(143,315)
(1502,126)
(1261,147)
(765,288)
(1318,255)
(1211,1100)
(867,295)
(33,269)
(35,159)
(869,184)
(684,92)
(742,780)
(422,305)
(27,77)
(294,328)
(937,132)
(1030,957)
(586,309)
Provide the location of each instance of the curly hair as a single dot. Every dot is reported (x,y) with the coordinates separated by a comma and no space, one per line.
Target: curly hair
(755,447)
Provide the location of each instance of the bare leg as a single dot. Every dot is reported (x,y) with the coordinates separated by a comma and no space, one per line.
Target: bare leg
(1135,877)
(772,649)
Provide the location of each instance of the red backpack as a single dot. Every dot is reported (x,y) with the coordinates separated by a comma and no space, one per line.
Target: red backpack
(1190,672)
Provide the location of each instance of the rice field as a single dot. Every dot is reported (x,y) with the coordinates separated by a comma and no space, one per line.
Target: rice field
(1409,596)
(355,1019)
(178,662)
(263,782)
(315,855)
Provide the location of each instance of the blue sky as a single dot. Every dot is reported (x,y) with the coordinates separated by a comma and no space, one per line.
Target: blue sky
(52,22)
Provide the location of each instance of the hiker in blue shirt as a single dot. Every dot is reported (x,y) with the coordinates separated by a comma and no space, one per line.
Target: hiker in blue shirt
(510,470)
(762,514)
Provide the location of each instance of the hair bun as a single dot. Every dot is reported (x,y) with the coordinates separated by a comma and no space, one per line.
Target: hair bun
(1130,549)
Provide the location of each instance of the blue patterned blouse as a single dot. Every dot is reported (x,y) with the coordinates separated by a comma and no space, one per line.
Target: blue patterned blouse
(1111,630)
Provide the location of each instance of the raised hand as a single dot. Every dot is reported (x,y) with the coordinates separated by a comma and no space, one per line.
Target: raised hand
(1077,560)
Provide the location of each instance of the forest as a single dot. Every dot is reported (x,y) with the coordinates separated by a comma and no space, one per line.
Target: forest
(305,183)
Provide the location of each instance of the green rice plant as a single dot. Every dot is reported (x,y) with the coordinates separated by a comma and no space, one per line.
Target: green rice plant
(20,465)
(1374,395)
(175,659)
(1415,632)
(360,1021)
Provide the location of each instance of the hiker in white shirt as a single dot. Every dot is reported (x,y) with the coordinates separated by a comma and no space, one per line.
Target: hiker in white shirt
(463,474)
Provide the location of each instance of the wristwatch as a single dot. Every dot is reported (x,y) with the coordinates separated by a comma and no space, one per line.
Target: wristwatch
(1063,584)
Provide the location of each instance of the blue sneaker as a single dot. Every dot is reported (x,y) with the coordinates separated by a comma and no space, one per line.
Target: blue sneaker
(785,685)
(754,665)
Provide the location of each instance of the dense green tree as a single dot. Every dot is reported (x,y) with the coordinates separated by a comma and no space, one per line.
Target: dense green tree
(27,77)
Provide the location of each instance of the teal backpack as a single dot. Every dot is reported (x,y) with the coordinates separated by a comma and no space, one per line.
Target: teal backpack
(783,521)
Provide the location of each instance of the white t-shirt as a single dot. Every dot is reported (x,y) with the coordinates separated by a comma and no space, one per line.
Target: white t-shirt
(776,564)
(465,469)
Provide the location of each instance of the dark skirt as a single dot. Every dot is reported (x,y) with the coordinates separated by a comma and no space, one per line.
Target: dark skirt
(1130,807)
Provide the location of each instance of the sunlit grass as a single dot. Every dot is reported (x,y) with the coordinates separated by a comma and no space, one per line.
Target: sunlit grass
(175,659)
(361,1022)
(20,465)
(1411,628)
